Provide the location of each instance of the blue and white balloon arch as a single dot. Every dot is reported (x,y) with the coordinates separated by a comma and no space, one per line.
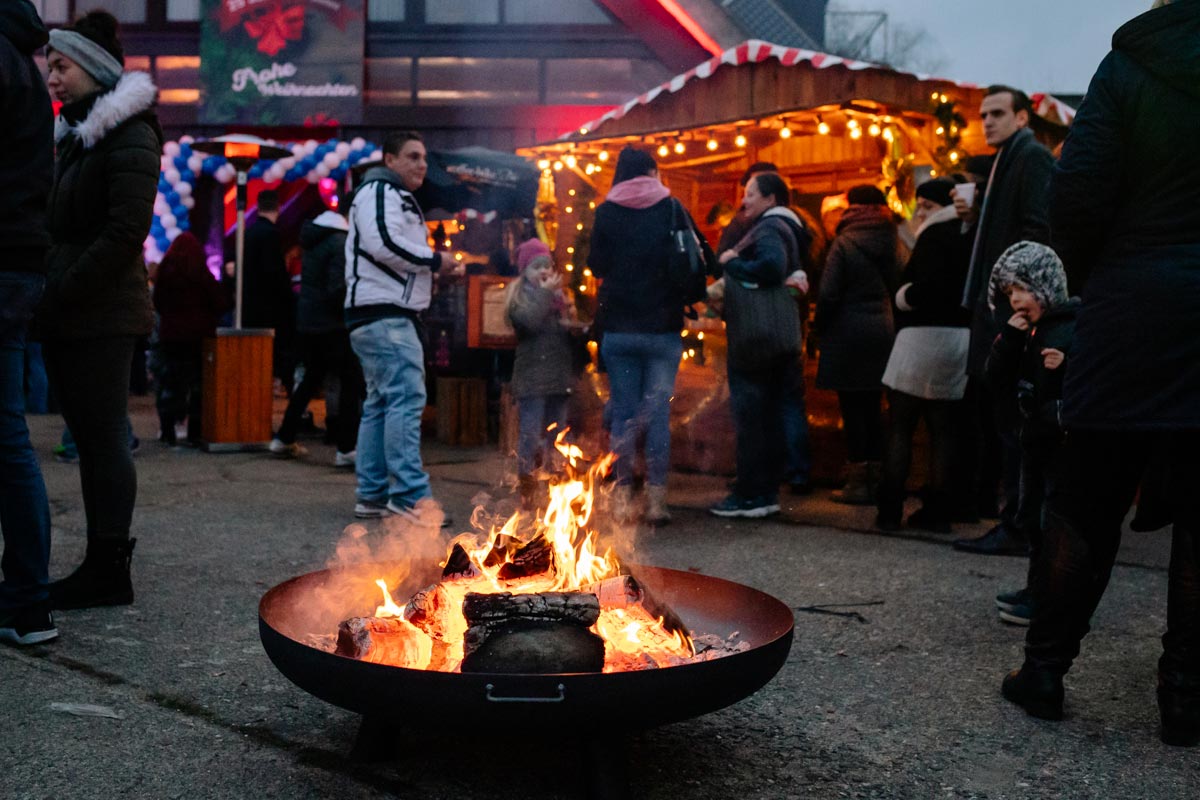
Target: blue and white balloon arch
(182,167)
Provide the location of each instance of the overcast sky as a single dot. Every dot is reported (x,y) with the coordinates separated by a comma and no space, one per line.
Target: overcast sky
(1035,45)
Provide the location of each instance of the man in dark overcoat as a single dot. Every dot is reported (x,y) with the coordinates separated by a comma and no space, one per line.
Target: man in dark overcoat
(1125,217)
(1013,209)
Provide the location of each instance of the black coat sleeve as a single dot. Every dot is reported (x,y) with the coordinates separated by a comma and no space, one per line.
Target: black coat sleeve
(1085,185)
(600,249)
(1004,361)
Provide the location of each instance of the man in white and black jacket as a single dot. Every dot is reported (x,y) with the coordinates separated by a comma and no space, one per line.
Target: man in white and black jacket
(389,279)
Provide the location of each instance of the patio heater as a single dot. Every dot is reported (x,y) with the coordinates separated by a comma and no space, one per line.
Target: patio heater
(238,375)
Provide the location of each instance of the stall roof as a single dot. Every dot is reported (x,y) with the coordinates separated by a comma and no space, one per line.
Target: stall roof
(749,52)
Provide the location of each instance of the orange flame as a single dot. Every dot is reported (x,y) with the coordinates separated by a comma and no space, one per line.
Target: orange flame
(633,639)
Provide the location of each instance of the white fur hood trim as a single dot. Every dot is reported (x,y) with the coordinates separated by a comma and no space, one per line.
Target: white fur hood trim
(132,95)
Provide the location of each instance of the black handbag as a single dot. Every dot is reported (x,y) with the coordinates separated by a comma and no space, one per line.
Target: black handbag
(692,260)
(761,324)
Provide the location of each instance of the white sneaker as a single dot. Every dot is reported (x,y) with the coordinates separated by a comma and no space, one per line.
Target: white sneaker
(416,515)
(341,459)
(293,450)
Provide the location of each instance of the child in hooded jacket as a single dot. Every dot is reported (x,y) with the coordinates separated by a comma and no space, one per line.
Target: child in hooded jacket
(1028,360)
(540,312)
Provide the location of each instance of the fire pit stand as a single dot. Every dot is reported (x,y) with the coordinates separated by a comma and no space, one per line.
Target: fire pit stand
(606,706)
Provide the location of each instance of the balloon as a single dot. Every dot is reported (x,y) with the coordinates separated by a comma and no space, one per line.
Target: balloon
(357,143)
(160,204)
(179,211)
(156,229)
(188,202)
(184,225)
(173,234)
(187,176)
(165,163)
(338,173)
(183,188)
(163,242)
(342,149)
(310,146)
(322,170)
(180,162)
(167,221)
(256,170)
(186,140)
(195,162)
(171,176)
(331,160)
(172,198)
(312,177)
(171,149)
(297,150)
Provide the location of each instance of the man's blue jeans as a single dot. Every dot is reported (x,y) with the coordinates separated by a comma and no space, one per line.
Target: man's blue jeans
(24,511)
(641,379)
(388,463)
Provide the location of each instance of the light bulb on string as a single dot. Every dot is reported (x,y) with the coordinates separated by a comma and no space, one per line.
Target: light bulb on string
(663,150)
(856,133)
(544,163)
(712,144)
(740,140)
(888,136)
(558,165)
(679,147)
(822,127)
(570,160)
(874,129)
(785,132)
(852,124)
(602,155)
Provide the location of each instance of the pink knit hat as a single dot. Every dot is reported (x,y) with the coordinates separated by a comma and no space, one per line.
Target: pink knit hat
(530,250)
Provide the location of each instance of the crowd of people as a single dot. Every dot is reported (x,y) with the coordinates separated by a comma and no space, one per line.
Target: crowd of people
(1061,406)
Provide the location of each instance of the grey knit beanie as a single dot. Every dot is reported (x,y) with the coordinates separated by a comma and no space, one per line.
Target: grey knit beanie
(1034,266)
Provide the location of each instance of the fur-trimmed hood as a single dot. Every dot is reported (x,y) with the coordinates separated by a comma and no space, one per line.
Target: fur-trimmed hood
(134,94)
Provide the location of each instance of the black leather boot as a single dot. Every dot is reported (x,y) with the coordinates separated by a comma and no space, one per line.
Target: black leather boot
(101,580)
(1039,692)
(1179,710)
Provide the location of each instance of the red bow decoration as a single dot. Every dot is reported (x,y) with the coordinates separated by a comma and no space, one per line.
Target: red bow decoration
(274,29)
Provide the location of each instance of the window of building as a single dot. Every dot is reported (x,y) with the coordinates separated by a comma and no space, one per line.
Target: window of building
(599,81)
(386,10)
(449,81)
(53,10)
(183,10)
(560,12)
(389,81)
(178,79)
(124,10)
(462,12)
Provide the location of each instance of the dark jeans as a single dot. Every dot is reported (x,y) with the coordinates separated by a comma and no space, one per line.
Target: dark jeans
(91,379)
(535,414)
(322,354)
(1098,478)
(641,379)
(24,511)
(798,463)
(904,412)
(862,424)
(1040,470)
(179,392)
(757,398)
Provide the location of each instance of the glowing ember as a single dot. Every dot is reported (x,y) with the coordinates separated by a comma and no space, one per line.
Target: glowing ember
(555,551)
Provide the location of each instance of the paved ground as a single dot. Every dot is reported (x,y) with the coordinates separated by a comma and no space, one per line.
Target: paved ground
(898,700)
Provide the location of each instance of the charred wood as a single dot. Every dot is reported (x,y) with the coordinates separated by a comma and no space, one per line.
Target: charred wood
(383,640)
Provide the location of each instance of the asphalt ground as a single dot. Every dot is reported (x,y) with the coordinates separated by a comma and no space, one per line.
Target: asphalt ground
(891,689)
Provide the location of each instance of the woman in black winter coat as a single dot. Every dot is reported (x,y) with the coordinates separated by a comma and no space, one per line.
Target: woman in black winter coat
(1125,218)
(97,301)
(926,373)
(854,327)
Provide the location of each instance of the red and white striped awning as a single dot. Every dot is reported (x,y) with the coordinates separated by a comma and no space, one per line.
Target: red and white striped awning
(748,52)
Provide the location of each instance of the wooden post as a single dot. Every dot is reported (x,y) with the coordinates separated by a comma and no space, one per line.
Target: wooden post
(237,386)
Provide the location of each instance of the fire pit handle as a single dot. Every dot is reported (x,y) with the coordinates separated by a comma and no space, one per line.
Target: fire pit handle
(492,698)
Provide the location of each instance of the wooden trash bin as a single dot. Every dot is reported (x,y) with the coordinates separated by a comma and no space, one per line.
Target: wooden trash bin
(237,387)
(462,411)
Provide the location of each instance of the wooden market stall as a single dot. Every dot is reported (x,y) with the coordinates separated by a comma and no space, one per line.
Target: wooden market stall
(827,123)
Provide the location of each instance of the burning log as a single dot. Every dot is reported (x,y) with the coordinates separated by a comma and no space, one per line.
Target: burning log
(624,591)
(384,640)
(433,610)
(458,564)
(532,633)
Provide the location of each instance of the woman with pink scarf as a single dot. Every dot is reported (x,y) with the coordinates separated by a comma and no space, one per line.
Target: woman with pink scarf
(641,314)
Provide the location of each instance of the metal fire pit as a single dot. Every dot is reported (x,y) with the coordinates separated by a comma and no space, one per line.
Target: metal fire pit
(601,703)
